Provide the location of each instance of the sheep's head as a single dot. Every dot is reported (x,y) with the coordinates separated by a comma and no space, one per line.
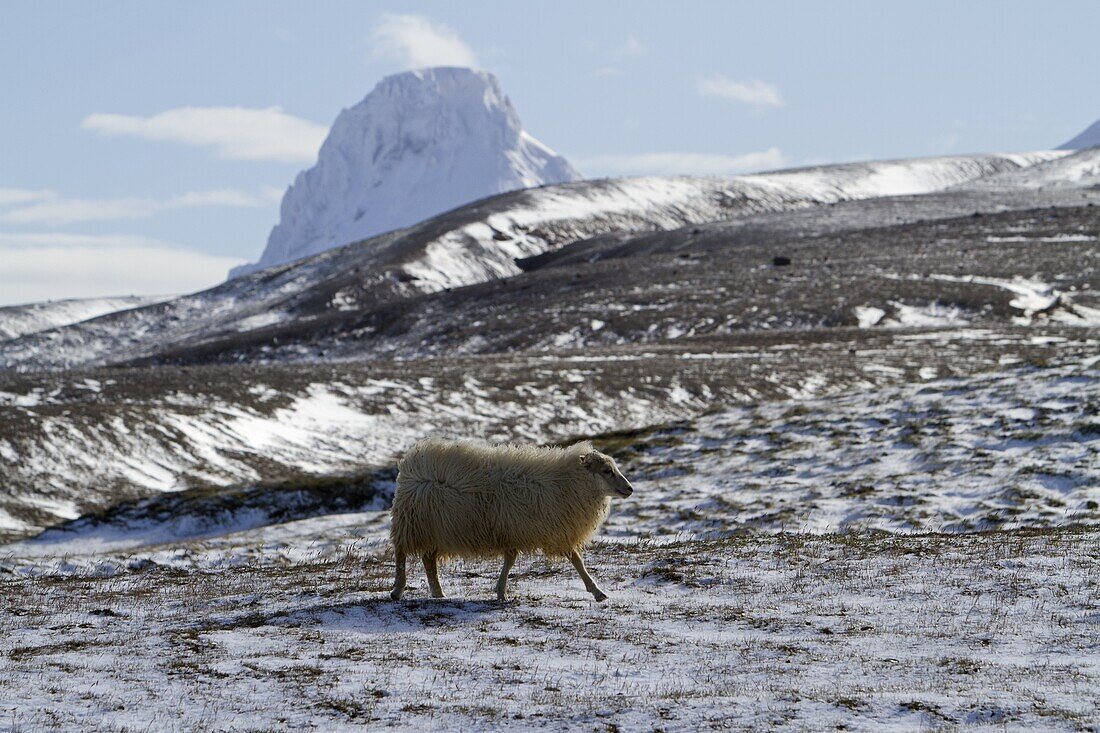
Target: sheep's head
(604,467)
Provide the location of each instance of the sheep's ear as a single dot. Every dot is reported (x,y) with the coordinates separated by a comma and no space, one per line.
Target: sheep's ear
(588,460)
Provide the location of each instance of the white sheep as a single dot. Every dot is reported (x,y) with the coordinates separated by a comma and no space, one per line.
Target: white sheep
(475,500)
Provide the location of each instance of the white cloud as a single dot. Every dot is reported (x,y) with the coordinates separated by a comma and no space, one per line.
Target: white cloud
(10,196)
(754,92)
(608,71)
(615,56)
(66,211)
(62,211)
(59,239)
(232,197)
(671,164)
(235,133)
(47,266)
(632,47)
(273,193)
(416,42)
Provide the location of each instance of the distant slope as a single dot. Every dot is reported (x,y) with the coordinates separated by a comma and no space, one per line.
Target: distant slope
(421,143)
(1079,169)
(78,442)
(19,320)
(474,244)
(1089,138)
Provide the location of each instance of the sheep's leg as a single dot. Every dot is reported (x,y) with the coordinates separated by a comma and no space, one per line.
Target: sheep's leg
(432,571)
(502,583)
(589,584)
(399,578)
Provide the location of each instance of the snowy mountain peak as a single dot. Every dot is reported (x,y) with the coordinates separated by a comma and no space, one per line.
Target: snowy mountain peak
(421,143)
(1089,138)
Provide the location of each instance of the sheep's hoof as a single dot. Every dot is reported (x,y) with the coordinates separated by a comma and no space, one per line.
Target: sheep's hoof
(395,595)
(599,595)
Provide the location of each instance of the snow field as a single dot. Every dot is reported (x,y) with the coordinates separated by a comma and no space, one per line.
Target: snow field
(869,632)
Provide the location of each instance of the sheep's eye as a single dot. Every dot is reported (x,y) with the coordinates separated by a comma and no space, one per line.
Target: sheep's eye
(606,469)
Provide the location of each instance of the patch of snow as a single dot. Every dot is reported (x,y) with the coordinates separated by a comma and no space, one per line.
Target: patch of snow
(345,300)
(869,316)
(260,320)
(31,399)
(932,314)
(1054,239)
(1033,298)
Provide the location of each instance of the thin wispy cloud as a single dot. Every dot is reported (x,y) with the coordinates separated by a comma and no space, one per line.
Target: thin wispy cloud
(616,55)
(231,197)
(608,71)
(416,42)
(61,239)
(754,92)
(58,211)
(234,133)
(48,265)
(12,196)
(630,47)
(633,47)
(670,164)
(66,211)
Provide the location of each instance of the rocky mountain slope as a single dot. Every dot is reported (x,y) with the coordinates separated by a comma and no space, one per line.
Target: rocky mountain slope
(478,243)
(421,143)
(19,320)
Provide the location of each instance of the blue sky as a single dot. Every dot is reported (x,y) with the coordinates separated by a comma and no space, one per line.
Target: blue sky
(141,150)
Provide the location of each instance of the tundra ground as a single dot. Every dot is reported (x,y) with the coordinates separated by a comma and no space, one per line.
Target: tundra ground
(776,568)
(848,632)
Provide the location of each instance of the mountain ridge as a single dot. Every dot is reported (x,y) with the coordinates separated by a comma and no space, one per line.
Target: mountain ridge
(476,243)
(419,144)
(1088,138)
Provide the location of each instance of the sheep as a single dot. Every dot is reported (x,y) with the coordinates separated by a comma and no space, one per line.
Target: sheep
(476,500)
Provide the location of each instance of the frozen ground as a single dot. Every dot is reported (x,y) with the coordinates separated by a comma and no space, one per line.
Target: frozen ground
(1018,448)
(82,442)
(730,608)
(868,632)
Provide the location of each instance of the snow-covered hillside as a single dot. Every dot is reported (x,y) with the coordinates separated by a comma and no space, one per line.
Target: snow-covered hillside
(237,618)
(1079,169)
(18,320)
(487,248)
(421,143)
(481,242)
